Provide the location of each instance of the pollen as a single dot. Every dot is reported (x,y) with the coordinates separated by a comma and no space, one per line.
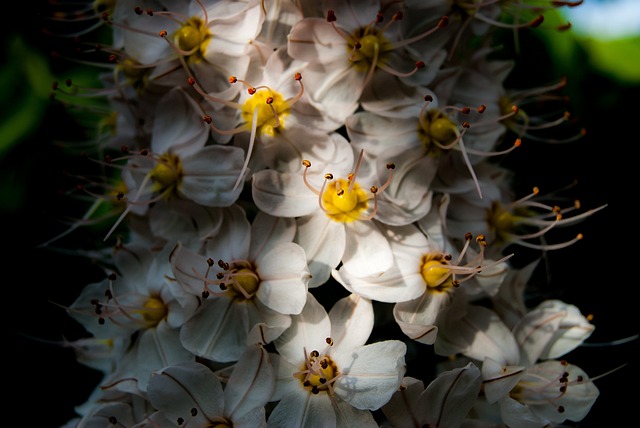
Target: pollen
(435,273)
(167,174)
(193,37)
(272,111)
(436,131)
(318,373)
(343,203)
(154,310)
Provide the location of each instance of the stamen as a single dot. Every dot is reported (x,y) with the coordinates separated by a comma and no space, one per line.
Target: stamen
(252,139)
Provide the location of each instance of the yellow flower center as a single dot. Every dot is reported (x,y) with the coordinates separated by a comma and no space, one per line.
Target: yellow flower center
(343,204)
(193,37)
(435,274)
(436,130)
(154,310)
(272,110)
(247,280)
(317,373)
(167,174)
(363,47)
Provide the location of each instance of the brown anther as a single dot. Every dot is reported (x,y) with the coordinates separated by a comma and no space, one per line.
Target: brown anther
(391,166)
(357,45)
(481,108)
(566,115)
(579,236)
(465,110)
(138,10)
(466,124)
(205,294)
(144,152)
(564,362)
(105,16)
(306,163)
(210,261)
(468,236)
(331,16)
(101,321)
(223,287)
(315,390)
(233,79)
(119,196)
(315,354)
(298,76)
(206,118)
(107,294)
(563,388)
(420,65)
(191,81)
(112,58)
(514,109)
(579,378)
(269,100)
(328,176)
(113,420)
(428,98)
(150,12)
(324,364)
(536,21)
(379,17)
(340,192)
(194,411)
(251,90)
(481,240)
(323,380)
(397,16)
(163,33)
(350,176)
(306,383)
(374,189)
(560,409)
(219,275)
(329,341)
(448,257)
(444,21)
(564,27)
(536,190)
(455,283)
(180,421)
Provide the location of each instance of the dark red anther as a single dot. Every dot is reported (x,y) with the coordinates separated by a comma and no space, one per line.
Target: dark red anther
(150,12)
(138,10)
(298,76)
(191,81)
(465,110)
(331,16)
(379,17)
(444,21)
(251,90)
(207,119)
(420,64)
(428,98)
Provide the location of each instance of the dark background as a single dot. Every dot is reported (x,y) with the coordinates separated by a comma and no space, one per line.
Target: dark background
(598,274)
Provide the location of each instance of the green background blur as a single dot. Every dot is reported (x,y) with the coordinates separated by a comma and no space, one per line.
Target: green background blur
(598,274)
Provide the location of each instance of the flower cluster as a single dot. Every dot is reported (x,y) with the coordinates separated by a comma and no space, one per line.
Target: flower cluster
(280,179)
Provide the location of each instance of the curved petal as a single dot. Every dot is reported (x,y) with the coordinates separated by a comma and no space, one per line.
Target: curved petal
(352,321)
(282,194)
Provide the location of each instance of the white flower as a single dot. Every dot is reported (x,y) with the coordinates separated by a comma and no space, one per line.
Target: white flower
(327,376)
(253,280)
(190,394)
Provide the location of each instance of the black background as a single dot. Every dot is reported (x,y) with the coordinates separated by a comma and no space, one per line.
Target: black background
(598,274)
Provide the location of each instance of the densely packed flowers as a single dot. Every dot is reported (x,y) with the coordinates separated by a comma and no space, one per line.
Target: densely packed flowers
(296,198)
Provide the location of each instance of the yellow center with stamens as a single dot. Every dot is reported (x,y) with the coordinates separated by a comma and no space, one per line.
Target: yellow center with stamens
(433,268)
(436,130)
(272,111)
(193,37)
(247,279)
(153,311)
(362,47)
(167,174)
(317,373)
(343,204)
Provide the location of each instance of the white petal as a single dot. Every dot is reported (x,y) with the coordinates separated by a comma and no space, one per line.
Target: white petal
(251,384)
(451,395)
(309,330)
(177,389)
(303,410)
(268,231)
(370,374)
(323,241)
(499,379)
(284,277)
(367,252)
(352,321)
(282,194)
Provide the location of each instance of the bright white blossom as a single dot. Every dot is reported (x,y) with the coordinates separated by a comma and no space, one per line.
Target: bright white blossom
(303,217)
